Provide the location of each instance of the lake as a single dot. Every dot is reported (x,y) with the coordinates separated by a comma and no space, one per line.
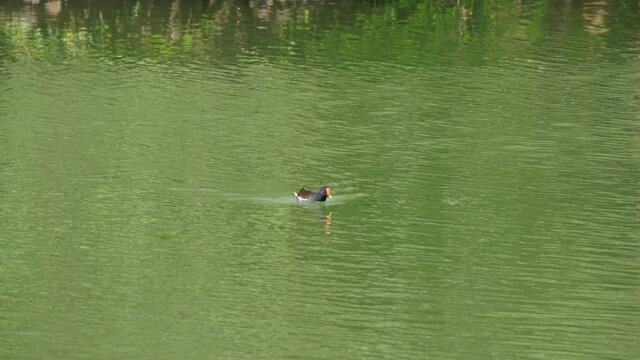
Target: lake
(483,158)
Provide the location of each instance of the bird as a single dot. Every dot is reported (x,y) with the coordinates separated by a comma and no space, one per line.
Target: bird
(304,195)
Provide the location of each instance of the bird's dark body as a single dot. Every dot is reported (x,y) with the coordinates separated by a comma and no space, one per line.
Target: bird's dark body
(304,195)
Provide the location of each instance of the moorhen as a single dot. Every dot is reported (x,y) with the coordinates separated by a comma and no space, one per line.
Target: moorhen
(306,195)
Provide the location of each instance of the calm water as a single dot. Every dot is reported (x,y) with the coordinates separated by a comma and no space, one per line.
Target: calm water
(484,161)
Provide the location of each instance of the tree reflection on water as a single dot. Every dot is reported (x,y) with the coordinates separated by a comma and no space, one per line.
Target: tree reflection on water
(354,29)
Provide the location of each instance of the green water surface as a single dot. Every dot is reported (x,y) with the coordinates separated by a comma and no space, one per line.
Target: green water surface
(483,157)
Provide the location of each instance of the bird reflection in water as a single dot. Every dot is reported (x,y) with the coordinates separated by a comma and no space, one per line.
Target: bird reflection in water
(327,224)
(319,215)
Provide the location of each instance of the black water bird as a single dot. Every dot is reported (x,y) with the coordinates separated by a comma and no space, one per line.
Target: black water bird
(305,195)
